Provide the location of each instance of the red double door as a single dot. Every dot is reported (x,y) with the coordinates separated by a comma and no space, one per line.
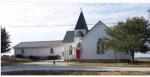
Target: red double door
(78,53)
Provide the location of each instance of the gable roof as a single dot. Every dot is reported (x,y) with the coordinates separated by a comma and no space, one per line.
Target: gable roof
(93,27)
(69,37)
(81,23)
(39,44)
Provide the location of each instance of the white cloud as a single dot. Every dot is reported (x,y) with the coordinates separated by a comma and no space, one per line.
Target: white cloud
(37,14)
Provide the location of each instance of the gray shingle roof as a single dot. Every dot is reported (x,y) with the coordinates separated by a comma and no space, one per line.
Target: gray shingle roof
(39,44)
(81,23)
(69,37)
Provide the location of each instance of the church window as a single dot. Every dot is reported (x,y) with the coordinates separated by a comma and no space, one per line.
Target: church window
(80,33)
(79,45)
(22,51)
(100,46)
(51,51)
(70,50)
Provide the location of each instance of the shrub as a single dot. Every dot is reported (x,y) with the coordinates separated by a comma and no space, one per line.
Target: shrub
(34,57)
(19,56)
(5,56)
(58,56)
(53,57)
(12,56)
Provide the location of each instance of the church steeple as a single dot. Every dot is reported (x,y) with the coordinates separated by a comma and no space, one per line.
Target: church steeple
(81,23)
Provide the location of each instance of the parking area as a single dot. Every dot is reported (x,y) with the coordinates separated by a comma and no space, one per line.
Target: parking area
(49,63)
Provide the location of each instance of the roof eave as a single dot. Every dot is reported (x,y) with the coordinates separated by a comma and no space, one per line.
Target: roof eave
(93,27)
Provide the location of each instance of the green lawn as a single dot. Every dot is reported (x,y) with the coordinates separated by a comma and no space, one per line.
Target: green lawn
(71,72)
(141,63)
(7,61)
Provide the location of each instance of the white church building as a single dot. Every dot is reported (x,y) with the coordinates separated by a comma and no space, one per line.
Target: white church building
(78,45)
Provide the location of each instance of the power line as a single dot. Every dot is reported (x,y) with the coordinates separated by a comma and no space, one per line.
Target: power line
(58,25)
(44,25)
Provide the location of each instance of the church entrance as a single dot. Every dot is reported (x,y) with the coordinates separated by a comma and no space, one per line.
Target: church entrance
(78,53)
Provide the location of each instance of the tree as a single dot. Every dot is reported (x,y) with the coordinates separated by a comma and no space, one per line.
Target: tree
(5,42)
(128,37)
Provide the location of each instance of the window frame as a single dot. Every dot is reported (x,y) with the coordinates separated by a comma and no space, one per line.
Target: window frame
(70,50)
(22,51)
(100,46)
(51,51)
(79,45)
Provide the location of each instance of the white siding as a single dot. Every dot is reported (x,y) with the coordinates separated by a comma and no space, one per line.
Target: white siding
(66,51)
(90,44)
(42,52)
(125,56)
(76,41)
(17,51)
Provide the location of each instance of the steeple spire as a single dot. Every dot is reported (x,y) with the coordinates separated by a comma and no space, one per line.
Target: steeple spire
(81,23)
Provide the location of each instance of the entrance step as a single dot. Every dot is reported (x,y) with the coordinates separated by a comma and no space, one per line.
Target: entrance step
(75,60)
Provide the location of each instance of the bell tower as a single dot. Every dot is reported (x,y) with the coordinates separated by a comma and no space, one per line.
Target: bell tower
(80,29)
(81,26)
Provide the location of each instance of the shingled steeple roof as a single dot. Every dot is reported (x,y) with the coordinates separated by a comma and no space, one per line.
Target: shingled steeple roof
(81,23)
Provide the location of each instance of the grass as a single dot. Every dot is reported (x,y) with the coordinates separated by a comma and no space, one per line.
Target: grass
(141,63)
(7,61)
(71,72)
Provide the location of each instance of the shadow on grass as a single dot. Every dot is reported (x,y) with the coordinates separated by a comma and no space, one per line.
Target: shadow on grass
(72,72)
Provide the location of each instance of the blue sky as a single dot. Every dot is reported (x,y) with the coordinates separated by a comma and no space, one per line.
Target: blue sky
(38,14)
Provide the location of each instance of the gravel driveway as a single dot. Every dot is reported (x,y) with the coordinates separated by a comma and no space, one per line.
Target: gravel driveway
(48,63)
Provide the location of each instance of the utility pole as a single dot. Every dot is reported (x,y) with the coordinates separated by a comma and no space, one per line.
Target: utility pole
(54,58)
(15,57)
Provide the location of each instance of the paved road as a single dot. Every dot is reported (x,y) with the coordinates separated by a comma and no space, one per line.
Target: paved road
(49,62)
(31,67)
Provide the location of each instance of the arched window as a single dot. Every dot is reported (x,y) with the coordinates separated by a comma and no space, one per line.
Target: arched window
(79,45)
(70,50)
(22,51)
(98,47)
(51,50)
(80,33)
